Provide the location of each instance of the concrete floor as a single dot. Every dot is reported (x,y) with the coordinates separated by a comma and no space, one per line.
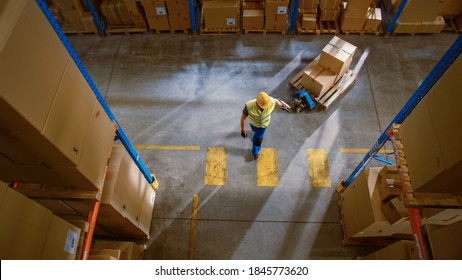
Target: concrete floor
(179,89)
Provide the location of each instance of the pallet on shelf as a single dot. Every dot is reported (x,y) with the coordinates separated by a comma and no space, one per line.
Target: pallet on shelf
(117,29)
(264,32)
(331,27)
(419,199)
(171,31)
(362,32)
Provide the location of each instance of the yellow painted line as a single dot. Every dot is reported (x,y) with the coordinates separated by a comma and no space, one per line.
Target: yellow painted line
(363,151)
(267,168)
(318,168)
(192,233)
(215,166)
(164,147)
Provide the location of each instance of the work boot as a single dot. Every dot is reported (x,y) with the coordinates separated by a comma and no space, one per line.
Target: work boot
(256,157)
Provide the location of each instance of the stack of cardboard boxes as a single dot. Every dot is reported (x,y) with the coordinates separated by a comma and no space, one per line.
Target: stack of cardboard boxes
(123,13)
(167,15)
(221,15)
(329,10)
(308,14)
(253,15)
(126,250)
(430,142)
(354,14)
(53,131)
(30,231)
(422,16)
(74,15)
(276,15)
(333,62)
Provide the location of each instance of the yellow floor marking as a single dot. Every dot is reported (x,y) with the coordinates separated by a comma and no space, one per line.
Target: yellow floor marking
(164,147)
(267,168)
(363,151)
(215,166)
(192,233)
(318,167)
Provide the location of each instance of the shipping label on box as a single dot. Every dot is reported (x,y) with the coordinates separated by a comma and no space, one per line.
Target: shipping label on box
(282,10)
(231,21)
(160,11)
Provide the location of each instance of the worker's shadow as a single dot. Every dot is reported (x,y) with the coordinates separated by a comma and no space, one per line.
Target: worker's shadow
(242,148)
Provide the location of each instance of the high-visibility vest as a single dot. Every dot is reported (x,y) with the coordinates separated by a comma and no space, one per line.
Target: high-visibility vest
(257,117)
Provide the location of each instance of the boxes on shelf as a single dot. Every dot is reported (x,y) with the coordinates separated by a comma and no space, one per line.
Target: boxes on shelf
(329,4)
(30,231)
(374,19)
(129,250)
(353,22)
(357,8)
(394,210)
(329,14)
(431,143)
(389,183)
(439,216)
(156,14)
(418,11)
(221,14)
(178,14)
(276,15)
(399,250)
(445,241)
(253,18)
(309,21)
(451,9)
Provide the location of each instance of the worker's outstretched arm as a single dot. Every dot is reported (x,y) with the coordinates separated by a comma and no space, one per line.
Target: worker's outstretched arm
(281,104)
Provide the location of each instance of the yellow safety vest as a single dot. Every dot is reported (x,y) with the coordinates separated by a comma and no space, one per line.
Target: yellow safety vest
(257,117)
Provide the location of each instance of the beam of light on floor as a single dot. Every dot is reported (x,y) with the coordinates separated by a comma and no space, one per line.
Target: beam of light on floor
(361,61)
(285,72)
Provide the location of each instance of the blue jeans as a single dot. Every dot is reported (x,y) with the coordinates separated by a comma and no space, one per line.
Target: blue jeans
(257,138)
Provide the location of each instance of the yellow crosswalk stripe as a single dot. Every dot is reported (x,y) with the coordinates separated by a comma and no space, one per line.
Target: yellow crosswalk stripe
(318,167)
(267,168)
(192,233)
(215,166)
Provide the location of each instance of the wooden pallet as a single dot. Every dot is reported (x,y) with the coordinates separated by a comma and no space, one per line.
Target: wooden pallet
(124,29)
(362,32)
(331,27)
(326,99)
(414,198)
(451,26)
(219,30)
(264,32)
(171,31)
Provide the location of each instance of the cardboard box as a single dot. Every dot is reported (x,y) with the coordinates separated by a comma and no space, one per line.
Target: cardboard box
(31,50)
(253,5)
(418,11)
(221,14)
(445,242)
(253,19)
(405,27)
(72,8)
(336,54)
(114,253)
(62,240)
(109,11)
(276,7)
(431,145)
(451,8)
(329,4)
(309,21)
(400,250)
(374,19)
(438,216)
(357,8)
(156,14)
(277,22)
(144,217)
(394,210)
(389,183)
(24,227)
(329,14)
(351,22)
(318,80)
(308,4)
(129,250)
(360,206)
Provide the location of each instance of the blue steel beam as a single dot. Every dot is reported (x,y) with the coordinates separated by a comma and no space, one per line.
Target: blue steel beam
(396,16)
(440,68)
(120,133)
(96,19)
(192,16)
(293,8)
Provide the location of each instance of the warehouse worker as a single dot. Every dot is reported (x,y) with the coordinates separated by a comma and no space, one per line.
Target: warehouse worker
(259,113)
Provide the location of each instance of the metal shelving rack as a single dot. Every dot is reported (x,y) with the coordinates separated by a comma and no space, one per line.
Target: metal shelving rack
(440,68)
(293,9)
(119,132)
(387,20)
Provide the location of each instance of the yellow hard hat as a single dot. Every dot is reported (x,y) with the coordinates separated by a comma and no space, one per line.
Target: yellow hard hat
(263,100)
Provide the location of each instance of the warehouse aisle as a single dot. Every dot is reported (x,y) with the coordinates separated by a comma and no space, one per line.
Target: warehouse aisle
(179,95)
